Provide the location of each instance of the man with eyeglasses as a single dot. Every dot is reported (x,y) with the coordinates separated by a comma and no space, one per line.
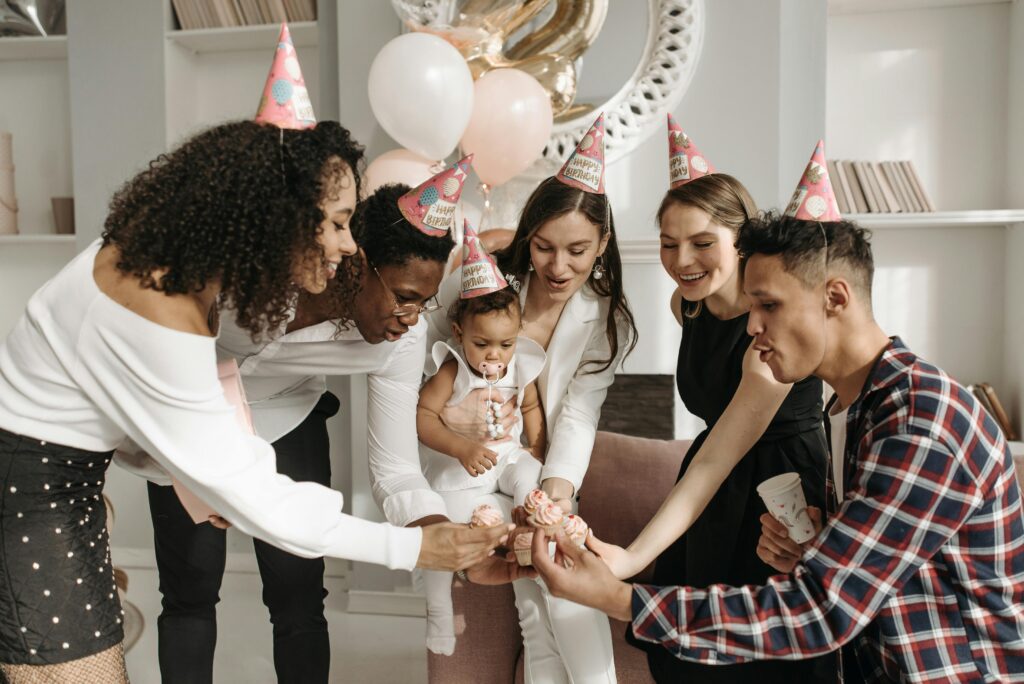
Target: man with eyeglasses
(367,322)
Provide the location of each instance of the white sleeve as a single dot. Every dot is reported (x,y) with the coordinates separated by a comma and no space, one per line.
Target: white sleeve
(575,428)
(160,386)
(396,478)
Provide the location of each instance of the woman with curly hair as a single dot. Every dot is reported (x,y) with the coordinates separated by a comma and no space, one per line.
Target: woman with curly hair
(120,344)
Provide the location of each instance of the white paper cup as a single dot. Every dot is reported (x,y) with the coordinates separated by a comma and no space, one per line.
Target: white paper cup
(784,497)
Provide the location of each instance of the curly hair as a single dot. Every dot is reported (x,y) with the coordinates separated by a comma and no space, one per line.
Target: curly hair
(238,203)
(801,245)
(550,200)
(505,300)
(387,238)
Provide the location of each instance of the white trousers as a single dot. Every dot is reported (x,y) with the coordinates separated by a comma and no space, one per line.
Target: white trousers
(563,641)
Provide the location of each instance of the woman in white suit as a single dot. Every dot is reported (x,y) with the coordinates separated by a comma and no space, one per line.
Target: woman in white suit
(565,255)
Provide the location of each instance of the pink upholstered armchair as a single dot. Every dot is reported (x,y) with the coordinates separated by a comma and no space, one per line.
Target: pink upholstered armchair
(489,646)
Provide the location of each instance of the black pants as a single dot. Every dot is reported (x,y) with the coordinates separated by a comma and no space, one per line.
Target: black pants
(190,559)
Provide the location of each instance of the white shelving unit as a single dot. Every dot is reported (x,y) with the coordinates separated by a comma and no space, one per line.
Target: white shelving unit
(956,219)
(36,239)
(31,47)
(234,39)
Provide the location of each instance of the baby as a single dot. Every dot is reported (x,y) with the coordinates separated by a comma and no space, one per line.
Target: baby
(484,352)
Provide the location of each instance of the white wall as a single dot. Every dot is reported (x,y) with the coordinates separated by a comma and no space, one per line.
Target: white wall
(928,85)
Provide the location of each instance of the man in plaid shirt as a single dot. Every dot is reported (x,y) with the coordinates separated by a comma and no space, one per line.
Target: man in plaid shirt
(919,575)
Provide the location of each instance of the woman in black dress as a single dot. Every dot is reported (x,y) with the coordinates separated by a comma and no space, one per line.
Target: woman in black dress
(756,428)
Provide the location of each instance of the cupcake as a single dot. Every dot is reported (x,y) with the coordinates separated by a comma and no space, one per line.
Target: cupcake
(534,500)
(576,530)
(522,546)
(549,517)
(486,515)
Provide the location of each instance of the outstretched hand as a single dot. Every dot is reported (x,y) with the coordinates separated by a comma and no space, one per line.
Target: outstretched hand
(579,575)
(449,546)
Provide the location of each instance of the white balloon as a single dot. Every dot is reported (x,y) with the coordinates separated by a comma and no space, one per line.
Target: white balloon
(421,92)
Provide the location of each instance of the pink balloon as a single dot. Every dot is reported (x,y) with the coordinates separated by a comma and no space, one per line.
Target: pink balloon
(397,166)
(510,125)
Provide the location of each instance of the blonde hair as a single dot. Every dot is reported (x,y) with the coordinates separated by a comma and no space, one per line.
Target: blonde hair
(721,197)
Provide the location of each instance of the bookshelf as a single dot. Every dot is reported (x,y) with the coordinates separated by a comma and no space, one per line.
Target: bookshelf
(36,239)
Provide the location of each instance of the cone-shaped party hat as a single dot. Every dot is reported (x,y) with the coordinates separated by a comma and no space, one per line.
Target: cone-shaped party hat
(685,161)
(431,205)
(584,169)
(814,199)
(285,102)
(480,274)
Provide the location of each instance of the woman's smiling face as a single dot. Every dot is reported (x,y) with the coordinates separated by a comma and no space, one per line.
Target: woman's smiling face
(698,253)
(563,251)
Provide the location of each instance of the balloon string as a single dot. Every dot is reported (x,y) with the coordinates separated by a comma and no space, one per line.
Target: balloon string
(485,215)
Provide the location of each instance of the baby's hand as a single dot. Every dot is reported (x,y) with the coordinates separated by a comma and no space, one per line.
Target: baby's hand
(477,459)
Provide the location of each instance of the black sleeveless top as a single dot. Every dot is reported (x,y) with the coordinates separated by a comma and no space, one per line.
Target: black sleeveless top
(721,545)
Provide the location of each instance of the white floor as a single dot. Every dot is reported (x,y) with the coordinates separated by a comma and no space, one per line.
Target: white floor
(364,648)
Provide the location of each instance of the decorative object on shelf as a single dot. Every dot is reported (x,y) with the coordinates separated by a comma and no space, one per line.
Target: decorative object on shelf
(421,93)
(888,187)
(32,17)
(63,215)
(201,14)
(8,198)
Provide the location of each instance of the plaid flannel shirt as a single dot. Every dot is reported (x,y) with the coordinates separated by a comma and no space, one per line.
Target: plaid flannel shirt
(922,568)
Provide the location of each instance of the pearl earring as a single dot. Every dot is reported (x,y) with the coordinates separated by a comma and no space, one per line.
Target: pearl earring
(531,266)
(598,271)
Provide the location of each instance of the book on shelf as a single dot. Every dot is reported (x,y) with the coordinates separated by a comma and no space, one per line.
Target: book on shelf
(988,399)
(200,14)
(888,195)
(887,187)
(847,170)
(837,188)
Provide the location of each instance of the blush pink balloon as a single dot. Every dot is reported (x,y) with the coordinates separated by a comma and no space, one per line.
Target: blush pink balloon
(510,125)
(397,166)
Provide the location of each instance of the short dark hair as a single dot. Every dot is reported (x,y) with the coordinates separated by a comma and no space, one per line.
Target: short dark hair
(800,243)
(505,300)
(387,238)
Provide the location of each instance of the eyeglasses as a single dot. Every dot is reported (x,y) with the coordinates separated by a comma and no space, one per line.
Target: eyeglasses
(409,309)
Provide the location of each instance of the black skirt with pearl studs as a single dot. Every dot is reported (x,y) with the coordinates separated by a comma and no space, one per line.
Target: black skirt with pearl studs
(58,601)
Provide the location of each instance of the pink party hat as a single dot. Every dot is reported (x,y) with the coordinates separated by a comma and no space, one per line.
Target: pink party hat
(285,102)
(814,199)
(584,169)
(685,161)
(431,205)
(480,274)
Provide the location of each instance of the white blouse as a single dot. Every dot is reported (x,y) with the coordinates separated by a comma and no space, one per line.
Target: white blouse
(81,370)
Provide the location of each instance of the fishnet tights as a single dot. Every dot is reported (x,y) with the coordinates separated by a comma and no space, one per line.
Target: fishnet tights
(106,667)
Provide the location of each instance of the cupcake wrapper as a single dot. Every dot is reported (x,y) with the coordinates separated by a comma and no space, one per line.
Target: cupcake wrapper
(524,556)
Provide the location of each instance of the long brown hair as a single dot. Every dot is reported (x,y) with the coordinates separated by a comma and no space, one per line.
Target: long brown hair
(721,197)
(551,200)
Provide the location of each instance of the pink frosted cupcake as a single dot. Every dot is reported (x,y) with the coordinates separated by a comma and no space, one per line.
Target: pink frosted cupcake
(522,546)
(549,518)
(534,500)
(576,529)
(486,515)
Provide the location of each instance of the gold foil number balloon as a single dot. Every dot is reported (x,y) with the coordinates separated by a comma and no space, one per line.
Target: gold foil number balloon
(481,30)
